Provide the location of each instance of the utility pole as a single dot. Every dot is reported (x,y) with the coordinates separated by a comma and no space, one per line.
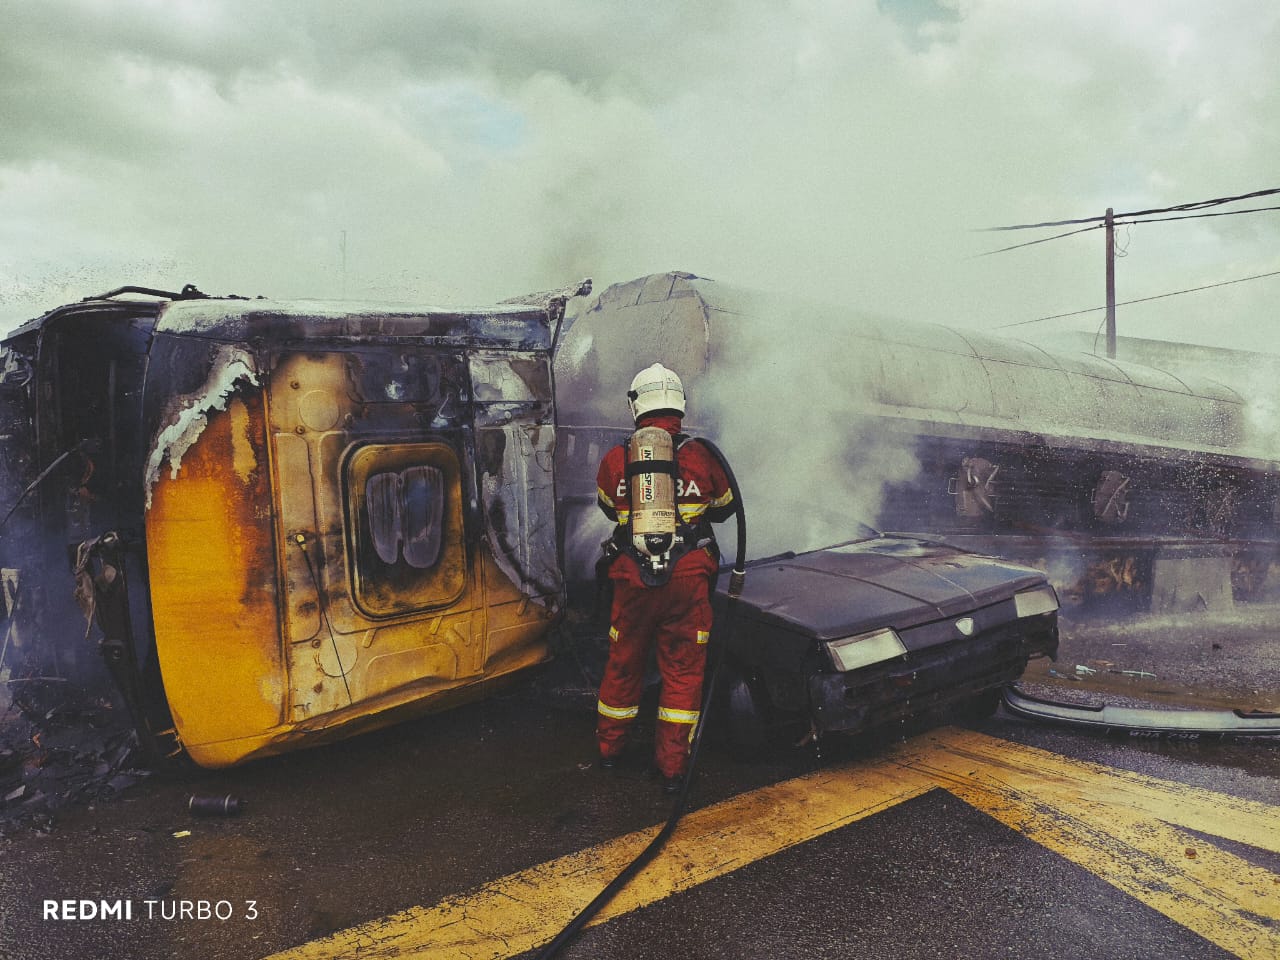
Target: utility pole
(342,245)
(1111,284)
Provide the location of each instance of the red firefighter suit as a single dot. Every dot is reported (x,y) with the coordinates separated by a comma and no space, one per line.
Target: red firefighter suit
(674,616)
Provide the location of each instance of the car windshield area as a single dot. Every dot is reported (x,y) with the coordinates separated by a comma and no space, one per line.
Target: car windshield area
(862,532)
(769,537)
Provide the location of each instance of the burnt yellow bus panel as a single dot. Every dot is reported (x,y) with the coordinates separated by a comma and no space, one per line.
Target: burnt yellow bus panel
(517,625)
(211,554)
(299,547)
(308,400)
(328,670)
(365,643)
(434,650)
(359,643)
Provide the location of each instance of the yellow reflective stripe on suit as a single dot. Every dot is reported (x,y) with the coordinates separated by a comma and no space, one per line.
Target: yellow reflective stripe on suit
(677,716)
(617,713)
(691,511)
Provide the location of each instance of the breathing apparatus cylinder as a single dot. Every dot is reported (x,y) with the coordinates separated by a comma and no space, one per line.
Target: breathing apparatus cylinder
(652,488)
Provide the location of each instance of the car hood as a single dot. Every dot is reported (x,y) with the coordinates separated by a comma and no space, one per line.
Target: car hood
(890,581)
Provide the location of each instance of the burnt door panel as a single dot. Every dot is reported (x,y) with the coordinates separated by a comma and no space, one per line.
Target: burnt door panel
(377,574)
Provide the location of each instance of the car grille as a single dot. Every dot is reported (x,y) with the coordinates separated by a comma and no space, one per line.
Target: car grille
(926,680)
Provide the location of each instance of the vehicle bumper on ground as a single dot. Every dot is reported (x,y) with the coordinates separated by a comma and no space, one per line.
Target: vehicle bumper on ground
(1176,723)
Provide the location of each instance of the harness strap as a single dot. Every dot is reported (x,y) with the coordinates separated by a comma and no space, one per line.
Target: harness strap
(636,467)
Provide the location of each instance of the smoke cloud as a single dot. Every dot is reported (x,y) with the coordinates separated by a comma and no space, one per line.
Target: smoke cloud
(463,153)
(792,407)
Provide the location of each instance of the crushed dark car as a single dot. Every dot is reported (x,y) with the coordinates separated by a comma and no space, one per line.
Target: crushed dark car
(876,630)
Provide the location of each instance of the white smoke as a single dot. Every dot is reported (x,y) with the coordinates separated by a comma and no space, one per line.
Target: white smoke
(791,407)
(467,152)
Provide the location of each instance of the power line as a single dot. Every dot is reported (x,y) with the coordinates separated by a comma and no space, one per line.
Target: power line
(1109,221)
(1159,296)
(1117,222)
(1193,216)
(1178,208)
(1032,243)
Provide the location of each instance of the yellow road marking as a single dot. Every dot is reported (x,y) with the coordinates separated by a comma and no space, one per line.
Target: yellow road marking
(526,909)
(1115,825)
(1120,826)
(943,754)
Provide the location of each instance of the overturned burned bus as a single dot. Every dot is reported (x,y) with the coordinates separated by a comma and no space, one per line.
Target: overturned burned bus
(289,519)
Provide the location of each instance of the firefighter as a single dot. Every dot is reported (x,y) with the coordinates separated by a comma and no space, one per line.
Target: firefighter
(663,489)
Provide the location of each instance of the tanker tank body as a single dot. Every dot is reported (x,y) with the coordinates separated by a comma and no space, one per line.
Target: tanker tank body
(1133,487)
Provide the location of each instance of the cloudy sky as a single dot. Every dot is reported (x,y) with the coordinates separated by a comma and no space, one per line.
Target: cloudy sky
(462,152)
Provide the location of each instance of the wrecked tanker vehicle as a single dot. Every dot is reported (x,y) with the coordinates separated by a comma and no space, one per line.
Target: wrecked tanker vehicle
(297,521)
(1135,488)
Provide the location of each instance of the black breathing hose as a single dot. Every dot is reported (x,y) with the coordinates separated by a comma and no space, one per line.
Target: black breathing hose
(737,579)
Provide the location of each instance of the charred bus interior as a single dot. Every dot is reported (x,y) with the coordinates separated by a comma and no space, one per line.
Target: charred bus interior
(73,449)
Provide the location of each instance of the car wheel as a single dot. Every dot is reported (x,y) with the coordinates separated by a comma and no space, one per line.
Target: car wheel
(747,712)
(981,706)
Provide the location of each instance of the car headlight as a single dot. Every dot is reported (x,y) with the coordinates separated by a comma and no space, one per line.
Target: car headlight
(1032,603)
(850,653)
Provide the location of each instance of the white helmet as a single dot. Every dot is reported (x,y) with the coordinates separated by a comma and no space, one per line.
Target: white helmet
(655,388)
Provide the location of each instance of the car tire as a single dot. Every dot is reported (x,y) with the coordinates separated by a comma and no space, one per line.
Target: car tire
(748,715)
(981,706)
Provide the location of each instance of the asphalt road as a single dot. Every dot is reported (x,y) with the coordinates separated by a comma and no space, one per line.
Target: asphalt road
(1006,839)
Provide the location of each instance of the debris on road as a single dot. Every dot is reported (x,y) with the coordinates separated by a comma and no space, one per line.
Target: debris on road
(224,806)
(61,748)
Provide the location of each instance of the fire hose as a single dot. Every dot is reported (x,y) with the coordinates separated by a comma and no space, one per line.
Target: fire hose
(737,580)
